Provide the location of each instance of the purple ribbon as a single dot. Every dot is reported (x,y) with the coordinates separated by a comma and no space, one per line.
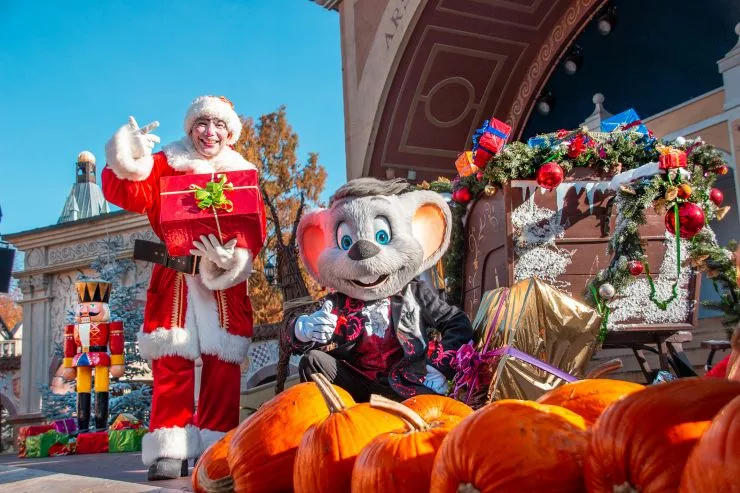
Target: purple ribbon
(468,362)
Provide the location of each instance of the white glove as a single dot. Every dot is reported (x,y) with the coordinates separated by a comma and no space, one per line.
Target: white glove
(436,381)
(140,141)
(317,327)
(212,249)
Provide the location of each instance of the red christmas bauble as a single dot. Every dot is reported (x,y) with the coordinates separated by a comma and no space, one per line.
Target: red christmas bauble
(716,196)
(722,170)
(550,175)
(462,195)
(635,267)
(690,220)
(479,176)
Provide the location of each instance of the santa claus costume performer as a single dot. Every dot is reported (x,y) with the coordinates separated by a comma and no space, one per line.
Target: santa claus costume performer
(189,315)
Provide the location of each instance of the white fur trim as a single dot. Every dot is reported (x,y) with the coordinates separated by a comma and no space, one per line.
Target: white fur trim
(120,160)
(182,156)
(213,339)
(175,341)
(215,107)
(171,443)
(214,277)
(209,437)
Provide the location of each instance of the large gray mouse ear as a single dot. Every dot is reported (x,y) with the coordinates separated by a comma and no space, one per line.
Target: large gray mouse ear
(311,239)
(431,224)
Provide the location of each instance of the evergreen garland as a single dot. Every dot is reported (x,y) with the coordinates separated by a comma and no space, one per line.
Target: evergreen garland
(609,154)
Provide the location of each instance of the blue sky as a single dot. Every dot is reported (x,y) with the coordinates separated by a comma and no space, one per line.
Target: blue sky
(72,71)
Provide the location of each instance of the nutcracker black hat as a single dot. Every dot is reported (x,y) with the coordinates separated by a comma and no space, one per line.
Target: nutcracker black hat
(93,290)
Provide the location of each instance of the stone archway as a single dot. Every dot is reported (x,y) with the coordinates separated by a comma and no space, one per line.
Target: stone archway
(420,76)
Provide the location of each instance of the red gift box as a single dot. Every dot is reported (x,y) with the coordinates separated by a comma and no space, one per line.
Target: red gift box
(92,443)
(671,159)
(241,215)
(493,139)
(29,431)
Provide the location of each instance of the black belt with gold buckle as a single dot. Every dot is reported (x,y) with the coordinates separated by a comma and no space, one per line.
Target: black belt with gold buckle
(150,251)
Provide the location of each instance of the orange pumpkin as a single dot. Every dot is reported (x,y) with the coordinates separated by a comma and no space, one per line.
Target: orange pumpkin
(589,397)
(714,464)
(328,449)
(511,446)
(211,473)
(641,442)
(263,449)
(401,461)
(435,407)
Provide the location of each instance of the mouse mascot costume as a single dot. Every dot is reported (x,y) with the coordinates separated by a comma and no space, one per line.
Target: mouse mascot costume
(197,306)
(371,334)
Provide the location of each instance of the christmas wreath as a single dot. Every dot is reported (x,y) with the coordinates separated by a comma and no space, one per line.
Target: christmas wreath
(675,178)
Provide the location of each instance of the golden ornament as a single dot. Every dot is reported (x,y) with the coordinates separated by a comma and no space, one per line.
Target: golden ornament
(722,212)
(627,190)
(490,190)
(424,185)
(684,191)
(659,206)
(671,193)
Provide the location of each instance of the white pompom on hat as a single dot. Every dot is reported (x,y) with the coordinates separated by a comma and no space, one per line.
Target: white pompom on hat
(215,107)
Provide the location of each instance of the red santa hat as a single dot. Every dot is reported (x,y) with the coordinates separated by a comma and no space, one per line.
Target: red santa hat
(215,107)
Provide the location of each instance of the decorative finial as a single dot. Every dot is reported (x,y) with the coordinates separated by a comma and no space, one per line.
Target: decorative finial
(737,28)
(598,98)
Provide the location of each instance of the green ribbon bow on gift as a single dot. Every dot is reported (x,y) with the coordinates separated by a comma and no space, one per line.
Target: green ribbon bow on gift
(213,195)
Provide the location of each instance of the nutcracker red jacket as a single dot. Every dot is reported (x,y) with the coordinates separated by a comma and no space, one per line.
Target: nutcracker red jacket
(185,315)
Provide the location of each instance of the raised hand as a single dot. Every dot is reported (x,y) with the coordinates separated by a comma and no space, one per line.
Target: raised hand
(140,140)
(317,327)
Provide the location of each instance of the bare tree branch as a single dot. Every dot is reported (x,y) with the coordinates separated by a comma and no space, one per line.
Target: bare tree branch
(275,218)
(298,215)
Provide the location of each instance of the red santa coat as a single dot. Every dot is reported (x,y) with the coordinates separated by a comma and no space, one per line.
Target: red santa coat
(186,315)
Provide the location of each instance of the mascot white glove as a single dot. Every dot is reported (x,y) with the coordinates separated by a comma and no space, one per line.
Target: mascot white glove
(317,327)
(213,250)
(436,381)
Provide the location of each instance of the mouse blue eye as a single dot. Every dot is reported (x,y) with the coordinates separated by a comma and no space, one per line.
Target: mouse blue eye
(382,237)
(345,242)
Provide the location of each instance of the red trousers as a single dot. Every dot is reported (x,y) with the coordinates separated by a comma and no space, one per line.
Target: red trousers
(176,431)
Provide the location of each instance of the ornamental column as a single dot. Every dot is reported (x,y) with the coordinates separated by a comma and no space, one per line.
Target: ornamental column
(37,339)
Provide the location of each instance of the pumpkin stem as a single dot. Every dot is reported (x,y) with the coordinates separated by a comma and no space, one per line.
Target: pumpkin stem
(467,488)
(625,487)
(331,397)
(409,416)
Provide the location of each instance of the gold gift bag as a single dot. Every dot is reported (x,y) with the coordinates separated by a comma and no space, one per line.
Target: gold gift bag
(539,320)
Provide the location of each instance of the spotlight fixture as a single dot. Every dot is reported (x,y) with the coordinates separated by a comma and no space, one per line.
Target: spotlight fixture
(411,175)
(545,103)
(573,60)
(390,173)
(607,21)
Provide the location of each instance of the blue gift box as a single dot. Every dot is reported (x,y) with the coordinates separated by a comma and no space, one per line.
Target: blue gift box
(629,119)
(539,141)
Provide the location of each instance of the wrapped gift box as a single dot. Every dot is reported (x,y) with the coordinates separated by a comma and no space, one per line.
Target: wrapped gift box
(47,444)
(671,159)
(494,136)
(625,121)
(92,443)
(125,421)
(236,210)
(24,432)
(67,425)
(128,440)
(530,338)
(464,164)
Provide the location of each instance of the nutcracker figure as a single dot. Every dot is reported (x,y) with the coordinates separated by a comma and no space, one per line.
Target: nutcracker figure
(86,347)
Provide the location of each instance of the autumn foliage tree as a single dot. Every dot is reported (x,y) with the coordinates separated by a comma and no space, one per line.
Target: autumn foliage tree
(289,186)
